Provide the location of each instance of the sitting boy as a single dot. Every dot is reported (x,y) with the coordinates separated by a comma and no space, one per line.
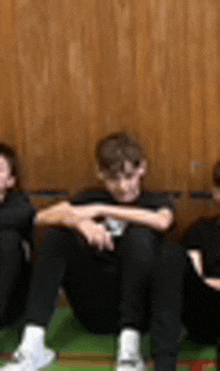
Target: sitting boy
(106,252)
(16,216)
(202,278)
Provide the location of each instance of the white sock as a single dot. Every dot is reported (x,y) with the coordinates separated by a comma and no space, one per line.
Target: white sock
(129,341)
(33,339)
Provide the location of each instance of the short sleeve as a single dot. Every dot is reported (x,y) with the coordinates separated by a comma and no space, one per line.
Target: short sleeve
(157,202)
(79,199)
(192,239)
(166,203)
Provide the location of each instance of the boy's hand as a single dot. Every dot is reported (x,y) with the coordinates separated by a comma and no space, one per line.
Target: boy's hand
(95,234)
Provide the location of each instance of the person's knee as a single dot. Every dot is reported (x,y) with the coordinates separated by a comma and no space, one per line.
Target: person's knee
(140,243)
(56,242)
(138,233)
(140,238)
(61,234)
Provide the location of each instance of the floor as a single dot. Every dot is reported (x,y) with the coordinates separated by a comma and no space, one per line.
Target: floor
(79,349)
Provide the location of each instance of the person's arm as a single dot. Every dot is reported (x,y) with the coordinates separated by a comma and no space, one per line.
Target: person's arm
(213,282)
(60,214)
(196,259)
(160,220)
(64,215)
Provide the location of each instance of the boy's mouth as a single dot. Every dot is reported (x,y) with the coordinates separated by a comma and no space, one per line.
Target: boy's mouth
(125,196)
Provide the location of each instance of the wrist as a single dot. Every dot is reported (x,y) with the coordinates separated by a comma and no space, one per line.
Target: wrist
(80,222)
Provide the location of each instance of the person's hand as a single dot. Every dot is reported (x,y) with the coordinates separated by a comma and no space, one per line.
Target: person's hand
(95,234)
(213,282)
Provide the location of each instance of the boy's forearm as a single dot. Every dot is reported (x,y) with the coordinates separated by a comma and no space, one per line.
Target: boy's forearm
(145,217)
(55,215)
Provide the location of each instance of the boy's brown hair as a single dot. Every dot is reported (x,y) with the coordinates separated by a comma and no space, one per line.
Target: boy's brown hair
(113,150)
(216,174)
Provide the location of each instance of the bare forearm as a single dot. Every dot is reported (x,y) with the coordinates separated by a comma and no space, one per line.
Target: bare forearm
(145,217)
(55,215)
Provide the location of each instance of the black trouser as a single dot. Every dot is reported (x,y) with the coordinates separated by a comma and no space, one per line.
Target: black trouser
(108,290)
(111,282)
(14,278)
(201,308)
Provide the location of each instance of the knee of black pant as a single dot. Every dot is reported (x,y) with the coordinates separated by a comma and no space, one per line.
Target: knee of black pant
(139,232)
(61,233)
(139,243)
(55,239)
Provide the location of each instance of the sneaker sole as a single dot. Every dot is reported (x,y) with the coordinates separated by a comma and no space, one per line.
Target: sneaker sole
(139,367)
(48,360)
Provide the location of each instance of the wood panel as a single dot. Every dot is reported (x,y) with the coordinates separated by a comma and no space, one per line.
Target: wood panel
(8,86)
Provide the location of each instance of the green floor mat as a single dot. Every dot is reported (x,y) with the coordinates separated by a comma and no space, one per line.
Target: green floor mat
(66,335)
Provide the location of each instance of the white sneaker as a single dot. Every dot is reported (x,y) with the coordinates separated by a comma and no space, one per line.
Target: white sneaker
(26,361)
(130,362)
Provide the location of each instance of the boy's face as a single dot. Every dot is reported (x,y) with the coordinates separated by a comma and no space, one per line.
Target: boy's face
(124,186)
(6,179)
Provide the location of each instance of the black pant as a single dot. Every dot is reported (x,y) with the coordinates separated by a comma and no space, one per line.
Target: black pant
(201,308)
(14,278)
(108,290)
(111,282)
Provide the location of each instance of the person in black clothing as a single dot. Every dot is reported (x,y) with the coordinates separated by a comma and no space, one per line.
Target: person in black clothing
(201,306)
(16,216)
(106,254)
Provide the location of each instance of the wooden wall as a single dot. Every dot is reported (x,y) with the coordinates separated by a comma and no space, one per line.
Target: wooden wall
(73,71)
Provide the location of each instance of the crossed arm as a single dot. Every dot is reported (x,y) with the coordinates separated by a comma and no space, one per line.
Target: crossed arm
(68,215)
(81,218)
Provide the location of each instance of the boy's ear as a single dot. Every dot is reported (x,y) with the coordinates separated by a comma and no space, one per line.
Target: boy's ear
(99,173)
(216,193)
(143,167)
(11,182)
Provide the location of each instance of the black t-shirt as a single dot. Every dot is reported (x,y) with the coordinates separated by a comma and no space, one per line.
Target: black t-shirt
(204,235)
(146,200)
(17,213)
